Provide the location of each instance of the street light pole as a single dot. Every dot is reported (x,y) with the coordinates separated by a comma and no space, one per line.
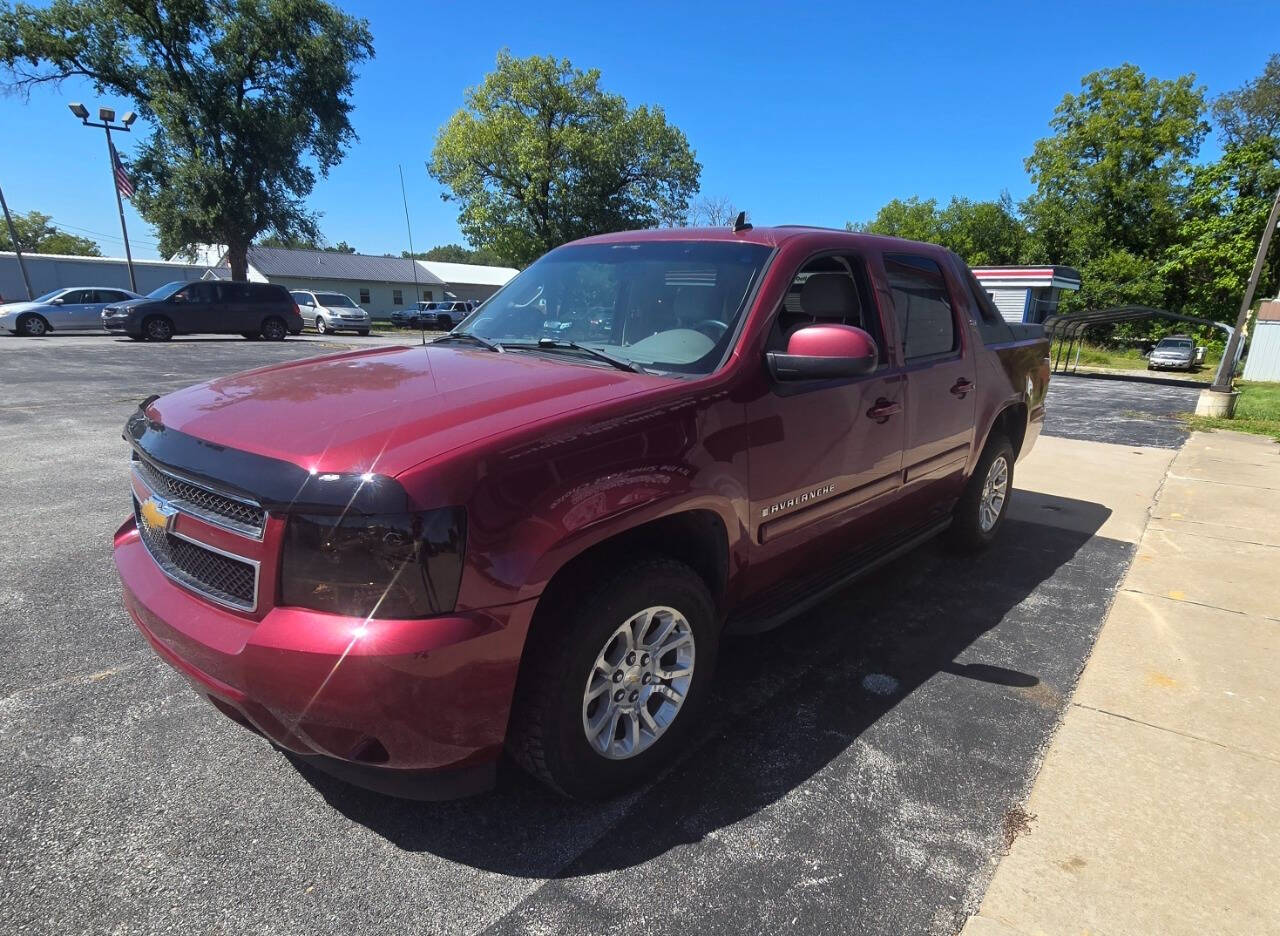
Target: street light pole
(107,115)
(17,248)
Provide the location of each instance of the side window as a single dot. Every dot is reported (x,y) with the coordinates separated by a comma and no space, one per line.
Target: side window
(198,292)
(77,296)
(110,295)
(397,297)
(921,306)
(364,296)
(833,289)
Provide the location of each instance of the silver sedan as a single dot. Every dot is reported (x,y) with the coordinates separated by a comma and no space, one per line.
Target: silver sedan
(68,309)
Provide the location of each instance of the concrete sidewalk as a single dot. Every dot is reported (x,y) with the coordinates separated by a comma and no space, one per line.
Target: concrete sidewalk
(1157,809)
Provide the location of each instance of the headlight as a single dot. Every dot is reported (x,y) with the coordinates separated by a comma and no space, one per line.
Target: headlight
(384,566)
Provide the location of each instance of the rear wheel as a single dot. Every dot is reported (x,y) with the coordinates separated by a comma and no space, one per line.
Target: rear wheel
(157,328)
(33,326)
(444,323)
(321,327)
(613,681)
(273,329)
(363,333)
(982,507)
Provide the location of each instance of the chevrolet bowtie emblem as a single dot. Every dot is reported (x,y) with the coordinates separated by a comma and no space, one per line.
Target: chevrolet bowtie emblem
(157,514)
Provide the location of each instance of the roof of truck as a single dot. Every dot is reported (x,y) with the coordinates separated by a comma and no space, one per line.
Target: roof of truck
(766,236)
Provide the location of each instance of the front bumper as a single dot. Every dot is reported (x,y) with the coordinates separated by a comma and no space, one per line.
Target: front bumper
(408,707)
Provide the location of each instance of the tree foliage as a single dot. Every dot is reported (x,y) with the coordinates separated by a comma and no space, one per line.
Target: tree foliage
(247,100)
(456,253)
(37,234)
(981,232)
(540,155)
(1251,113)
(712,211)
(1112,175)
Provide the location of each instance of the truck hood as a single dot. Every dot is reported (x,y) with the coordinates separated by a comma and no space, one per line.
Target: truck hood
(388,409)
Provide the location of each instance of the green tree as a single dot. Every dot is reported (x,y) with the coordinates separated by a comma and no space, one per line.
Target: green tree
(456,253)
(1112,176)
(984,232)
(37,234)
(912,219)
(1252,112)
(248,100)
(540,155)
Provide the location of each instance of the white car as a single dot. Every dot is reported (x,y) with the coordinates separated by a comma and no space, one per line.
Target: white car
(331,312)
(71,308)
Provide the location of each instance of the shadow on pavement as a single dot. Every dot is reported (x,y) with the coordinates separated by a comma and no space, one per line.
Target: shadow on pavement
(789,702)
(1129,377)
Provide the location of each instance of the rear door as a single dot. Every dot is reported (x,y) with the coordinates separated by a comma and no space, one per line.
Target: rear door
(939,368)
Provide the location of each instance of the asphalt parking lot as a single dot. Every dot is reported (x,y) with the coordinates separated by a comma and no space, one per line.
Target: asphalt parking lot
(861,773)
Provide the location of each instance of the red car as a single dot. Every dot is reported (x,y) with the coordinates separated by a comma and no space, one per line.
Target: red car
(533,533)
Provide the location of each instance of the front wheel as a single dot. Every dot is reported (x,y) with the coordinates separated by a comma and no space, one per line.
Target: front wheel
(613,681)
(363,333)
(157,328)
(321,325)
(33,326)
(982,507)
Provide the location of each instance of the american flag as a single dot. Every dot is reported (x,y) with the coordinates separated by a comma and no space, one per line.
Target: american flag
(123,185)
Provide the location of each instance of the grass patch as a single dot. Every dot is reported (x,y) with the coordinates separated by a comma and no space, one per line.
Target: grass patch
(1257,411)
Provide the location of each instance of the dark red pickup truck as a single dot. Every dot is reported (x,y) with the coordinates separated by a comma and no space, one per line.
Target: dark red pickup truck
(533,533)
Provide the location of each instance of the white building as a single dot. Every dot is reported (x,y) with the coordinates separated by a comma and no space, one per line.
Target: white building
(1263,362)
(470,280)
(1027,294)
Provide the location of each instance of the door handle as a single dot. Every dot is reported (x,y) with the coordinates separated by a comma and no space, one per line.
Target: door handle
(884,409)
(962,387)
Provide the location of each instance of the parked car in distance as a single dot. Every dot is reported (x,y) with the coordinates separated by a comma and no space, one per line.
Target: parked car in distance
(331,312)
(69,309)
(443,316)
(513,540)
(408,316)
(1177,352)
(215,307)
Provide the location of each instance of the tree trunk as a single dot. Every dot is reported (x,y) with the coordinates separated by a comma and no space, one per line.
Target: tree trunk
(238,259)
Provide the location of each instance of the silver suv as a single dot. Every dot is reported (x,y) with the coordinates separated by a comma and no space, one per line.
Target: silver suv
(1177,352)
(331,312)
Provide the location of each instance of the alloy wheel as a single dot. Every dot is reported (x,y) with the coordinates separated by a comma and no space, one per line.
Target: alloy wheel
(638,683)
(995,490)
(33,326)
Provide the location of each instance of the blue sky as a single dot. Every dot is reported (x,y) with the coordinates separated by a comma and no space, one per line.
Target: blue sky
(801,113)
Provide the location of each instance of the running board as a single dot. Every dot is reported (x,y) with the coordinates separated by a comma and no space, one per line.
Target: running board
(779,604)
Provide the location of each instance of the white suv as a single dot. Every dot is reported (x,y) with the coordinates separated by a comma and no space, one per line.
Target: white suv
(331,312)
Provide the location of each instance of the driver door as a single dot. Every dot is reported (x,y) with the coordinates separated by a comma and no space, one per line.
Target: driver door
(825,455)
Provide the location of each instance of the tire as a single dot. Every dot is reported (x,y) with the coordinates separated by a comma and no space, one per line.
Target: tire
(364,333)
(321,326)
(551,714)
(972,528)
(33,326)
(157,328)
(274,329)
(444,323)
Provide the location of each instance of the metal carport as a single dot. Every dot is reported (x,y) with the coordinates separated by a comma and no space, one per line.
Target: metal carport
(1068,330)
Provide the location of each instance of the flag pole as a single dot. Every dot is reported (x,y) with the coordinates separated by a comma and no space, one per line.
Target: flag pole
(115,184)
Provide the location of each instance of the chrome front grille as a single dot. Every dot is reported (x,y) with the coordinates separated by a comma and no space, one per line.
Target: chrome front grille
(227,579)
(222,510)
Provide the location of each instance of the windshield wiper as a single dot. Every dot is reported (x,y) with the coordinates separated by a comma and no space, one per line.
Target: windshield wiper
(561,344)
(468,336)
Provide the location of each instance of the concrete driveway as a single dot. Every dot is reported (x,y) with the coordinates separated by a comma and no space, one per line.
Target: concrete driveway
(861,773)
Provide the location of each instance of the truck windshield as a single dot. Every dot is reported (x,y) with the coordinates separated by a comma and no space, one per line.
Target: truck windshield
(666,305)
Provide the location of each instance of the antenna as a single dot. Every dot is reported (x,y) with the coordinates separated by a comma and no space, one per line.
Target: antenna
(740,223)
(417,297)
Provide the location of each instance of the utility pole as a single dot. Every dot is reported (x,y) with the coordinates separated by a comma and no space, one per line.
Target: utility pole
(1227,366)
(17,248)
(107,115)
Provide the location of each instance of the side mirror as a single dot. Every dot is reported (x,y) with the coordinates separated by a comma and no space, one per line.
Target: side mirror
(824,352)
(58,301)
